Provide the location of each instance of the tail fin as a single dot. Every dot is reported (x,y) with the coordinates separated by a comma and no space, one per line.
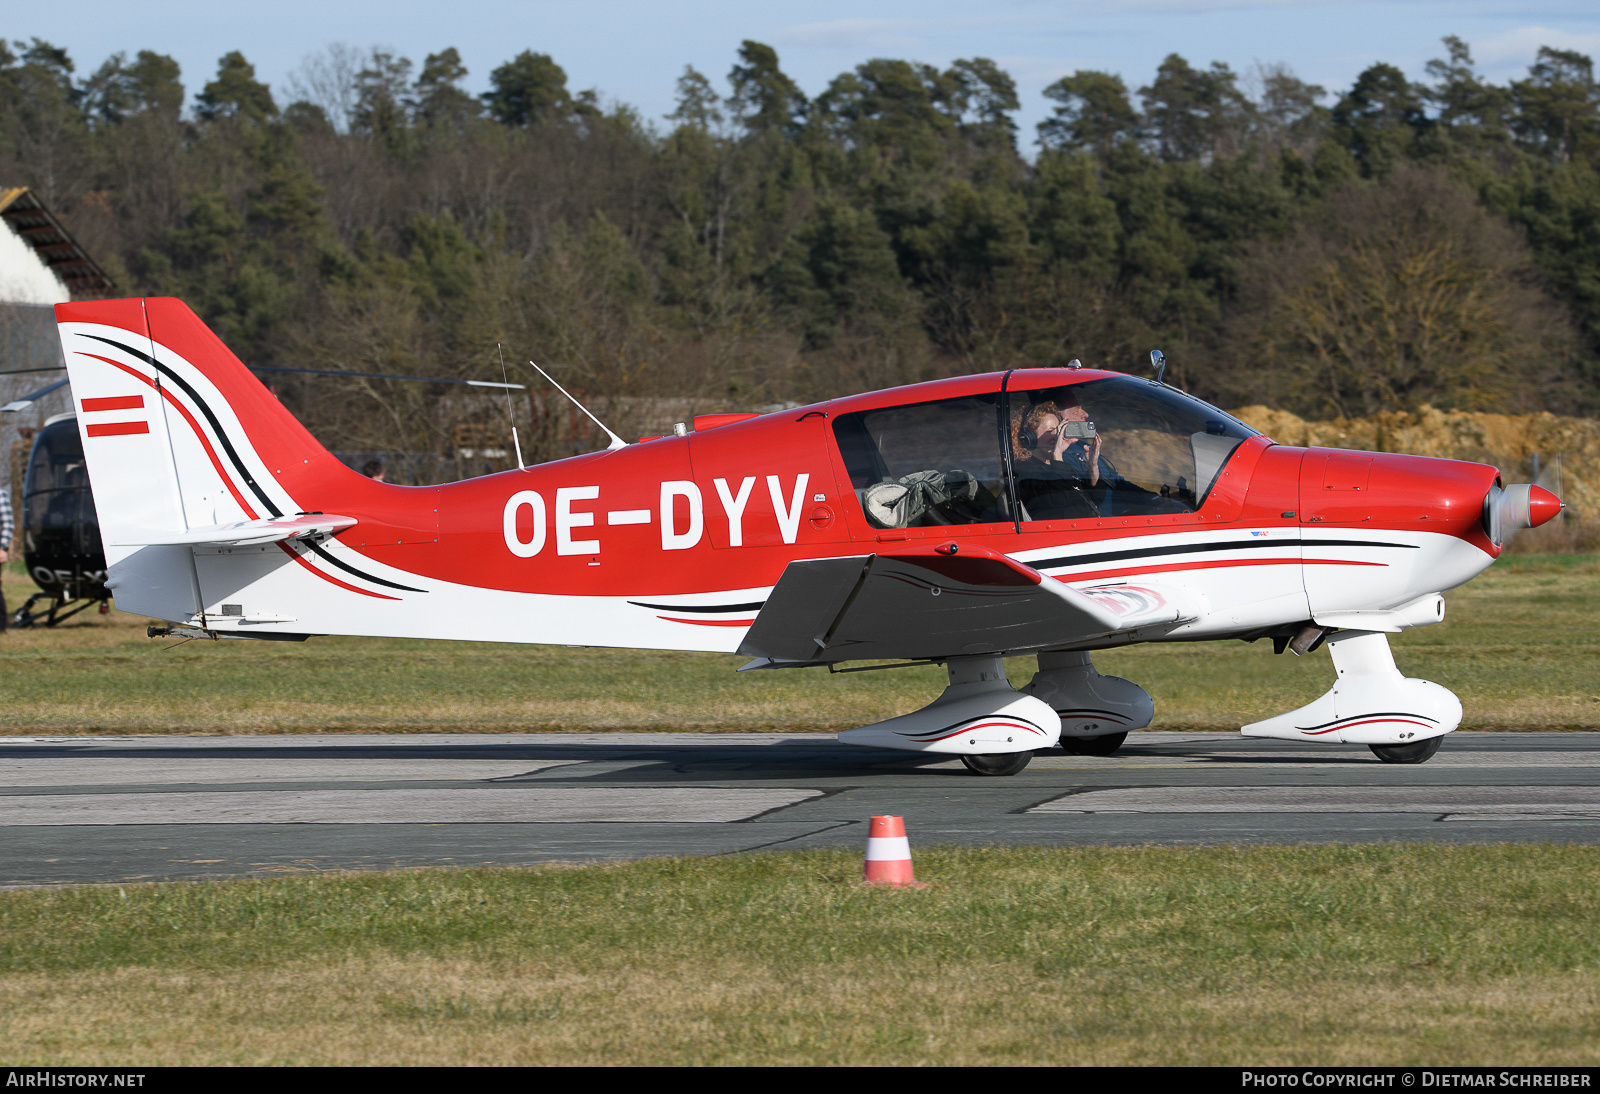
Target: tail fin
(188,437)
(181,440)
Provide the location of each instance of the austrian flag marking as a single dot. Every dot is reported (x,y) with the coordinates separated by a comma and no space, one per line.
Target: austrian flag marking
(114,402)
(117,429)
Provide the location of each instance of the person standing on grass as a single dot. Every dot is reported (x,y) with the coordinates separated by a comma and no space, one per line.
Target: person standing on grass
(8,527)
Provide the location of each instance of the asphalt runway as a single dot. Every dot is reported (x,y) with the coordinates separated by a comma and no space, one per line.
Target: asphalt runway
(141,809)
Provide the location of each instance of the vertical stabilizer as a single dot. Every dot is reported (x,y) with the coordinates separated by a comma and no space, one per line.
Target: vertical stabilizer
(127,440)
(179,436)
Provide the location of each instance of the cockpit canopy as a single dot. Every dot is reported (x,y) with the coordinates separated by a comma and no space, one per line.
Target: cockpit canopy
(1112,446)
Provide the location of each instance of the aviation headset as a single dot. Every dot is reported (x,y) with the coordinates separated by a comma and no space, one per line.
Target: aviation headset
(1028,439)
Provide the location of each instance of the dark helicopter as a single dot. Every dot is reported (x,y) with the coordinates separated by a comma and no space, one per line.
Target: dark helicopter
(60,530)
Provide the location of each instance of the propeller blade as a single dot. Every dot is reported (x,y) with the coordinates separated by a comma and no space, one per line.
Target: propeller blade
(1550,479)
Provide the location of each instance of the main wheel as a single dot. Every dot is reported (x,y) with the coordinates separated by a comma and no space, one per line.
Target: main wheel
(1419,752)
(1094,746)
(997,763)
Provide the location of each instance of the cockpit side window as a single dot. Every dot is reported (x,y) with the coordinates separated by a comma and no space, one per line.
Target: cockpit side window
(1117,446)
(926,464)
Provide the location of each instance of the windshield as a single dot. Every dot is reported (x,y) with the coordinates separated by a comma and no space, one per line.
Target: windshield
(1115,446)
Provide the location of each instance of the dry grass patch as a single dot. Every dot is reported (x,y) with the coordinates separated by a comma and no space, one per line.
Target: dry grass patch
(1347,955)
(429,1011)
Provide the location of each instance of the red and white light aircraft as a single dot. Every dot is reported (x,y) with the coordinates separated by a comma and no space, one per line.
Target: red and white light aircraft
(1038,511)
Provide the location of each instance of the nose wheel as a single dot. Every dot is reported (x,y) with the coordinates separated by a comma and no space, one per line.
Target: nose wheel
(1418,752)
(997,763)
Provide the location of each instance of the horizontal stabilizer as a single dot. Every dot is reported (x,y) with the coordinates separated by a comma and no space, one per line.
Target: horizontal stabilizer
(246,533)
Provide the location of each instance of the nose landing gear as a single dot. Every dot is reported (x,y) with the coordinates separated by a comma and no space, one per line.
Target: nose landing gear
(1400,718)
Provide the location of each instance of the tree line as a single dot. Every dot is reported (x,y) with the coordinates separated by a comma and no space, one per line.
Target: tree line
(1392,245)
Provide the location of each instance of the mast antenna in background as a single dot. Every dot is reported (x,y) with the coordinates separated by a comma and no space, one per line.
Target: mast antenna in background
(510,413)
(616,441)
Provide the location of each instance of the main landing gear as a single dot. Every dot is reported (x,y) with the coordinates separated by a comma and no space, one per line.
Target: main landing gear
(997,763)
(996,729)
(1093,746)
(1097,712)
(61,608)
(980,717)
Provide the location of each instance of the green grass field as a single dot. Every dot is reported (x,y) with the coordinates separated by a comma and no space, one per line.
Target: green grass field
(1519,646)
(1301,955)
(1350,955)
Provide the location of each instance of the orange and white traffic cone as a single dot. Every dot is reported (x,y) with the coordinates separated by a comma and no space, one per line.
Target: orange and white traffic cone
(889,855)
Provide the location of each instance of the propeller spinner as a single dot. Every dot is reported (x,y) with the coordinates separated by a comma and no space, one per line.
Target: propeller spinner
(1507,511)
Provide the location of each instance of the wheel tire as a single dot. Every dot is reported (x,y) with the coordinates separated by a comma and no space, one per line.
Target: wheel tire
(1094,746)
(997,763)
(1419,752)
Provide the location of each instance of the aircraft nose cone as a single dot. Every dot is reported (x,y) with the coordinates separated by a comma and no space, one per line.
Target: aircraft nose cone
(1542,506)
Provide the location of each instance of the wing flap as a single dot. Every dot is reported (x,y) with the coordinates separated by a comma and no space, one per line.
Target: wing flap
(810,597)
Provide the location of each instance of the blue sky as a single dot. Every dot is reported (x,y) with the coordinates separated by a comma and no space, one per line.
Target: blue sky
(634,50)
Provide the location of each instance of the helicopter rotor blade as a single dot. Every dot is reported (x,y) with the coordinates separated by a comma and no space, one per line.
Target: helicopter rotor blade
(389,376)
(29,399)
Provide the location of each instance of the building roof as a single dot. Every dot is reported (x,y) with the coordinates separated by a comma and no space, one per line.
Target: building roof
(37,226)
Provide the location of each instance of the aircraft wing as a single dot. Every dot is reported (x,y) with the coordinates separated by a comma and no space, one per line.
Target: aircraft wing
(934,602)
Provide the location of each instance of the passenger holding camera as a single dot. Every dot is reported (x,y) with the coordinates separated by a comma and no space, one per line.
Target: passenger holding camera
(1056,459)
(1057,441)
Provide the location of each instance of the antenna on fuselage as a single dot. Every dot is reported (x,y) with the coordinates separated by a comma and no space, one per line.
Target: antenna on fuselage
(1158,361)
(511,414)
(616,441)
